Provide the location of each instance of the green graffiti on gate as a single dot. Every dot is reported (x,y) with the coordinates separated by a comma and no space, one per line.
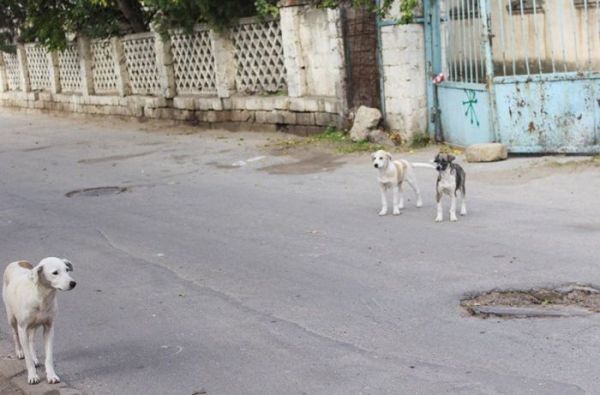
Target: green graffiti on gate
(470,103)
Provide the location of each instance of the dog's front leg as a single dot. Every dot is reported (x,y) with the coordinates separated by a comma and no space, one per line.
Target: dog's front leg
(30,339)
(440,212)
(398,199)
(32,377)
(51,376)
(453,207)
(384,206)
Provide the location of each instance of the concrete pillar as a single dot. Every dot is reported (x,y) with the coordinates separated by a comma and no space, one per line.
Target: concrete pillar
(53,71)
(225,65)
(3,78)
(23,69)
(338,57)
(164,62)
(85,66)
(123,86)
(292,50)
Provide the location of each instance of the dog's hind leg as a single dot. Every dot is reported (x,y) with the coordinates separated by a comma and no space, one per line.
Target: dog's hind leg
(51,376)
(32,376)
(413,184)
(463,204)
(30,339)
(18,348)
(398,199)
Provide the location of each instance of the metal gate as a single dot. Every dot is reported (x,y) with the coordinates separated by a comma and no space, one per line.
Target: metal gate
(522,72)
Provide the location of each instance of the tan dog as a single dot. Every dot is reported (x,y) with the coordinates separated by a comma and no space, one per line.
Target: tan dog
(393,174)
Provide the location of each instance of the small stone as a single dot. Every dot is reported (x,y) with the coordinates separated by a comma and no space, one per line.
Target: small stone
(486,152)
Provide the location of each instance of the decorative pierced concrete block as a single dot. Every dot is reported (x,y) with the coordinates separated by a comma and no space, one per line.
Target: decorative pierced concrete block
(194,62)
(259,57)
(69,69)
(11,64)
(103,67)
(140,56)
(39,69)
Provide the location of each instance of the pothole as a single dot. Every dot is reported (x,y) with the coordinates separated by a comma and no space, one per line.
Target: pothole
(95,192)
(570,300)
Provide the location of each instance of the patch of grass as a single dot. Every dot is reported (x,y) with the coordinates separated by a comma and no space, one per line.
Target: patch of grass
(593,161)
(343,143)
(419,140)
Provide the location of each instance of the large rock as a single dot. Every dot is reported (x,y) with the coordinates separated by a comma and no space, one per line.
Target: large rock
(378,136)
(366,118)
(486,152)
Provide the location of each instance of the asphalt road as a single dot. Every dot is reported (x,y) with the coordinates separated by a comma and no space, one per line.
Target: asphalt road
(277,276)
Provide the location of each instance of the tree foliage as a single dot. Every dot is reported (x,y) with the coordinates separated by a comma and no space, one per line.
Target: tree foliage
(52,22)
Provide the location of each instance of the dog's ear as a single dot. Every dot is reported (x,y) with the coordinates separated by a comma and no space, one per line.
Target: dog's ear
(388,156)
(451,157)
(437,158)
(68,264)
(373,156)
(35,273)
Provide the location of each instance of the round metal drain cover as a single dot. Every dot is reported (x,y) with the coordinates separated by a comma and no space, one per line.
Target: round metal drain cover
(569,300)
(95,192)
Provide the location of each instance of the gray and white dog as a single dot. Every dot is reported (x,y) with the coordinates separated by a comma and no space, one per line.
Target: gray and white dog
(451,179)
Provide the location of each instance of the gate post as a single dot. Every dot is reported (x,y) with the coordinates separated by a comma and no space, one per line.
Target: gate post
(486,21)
(433,65)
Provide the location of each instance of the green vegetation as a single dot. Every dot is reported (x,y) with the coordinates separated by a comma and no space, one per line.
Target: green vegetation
(419,140)
(53,22)
(407,10)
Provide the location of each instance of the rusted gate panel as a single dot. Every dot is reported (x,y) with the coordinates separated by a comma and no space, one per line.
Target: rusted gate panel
(360,32)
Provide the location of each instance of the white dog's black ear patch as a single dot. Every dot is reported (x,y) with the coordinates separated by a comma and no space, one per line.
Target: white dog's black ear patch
(68,264)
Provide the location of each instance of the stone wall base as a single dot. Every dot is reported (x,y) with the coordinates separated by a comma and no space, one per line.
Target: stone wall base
(304,115)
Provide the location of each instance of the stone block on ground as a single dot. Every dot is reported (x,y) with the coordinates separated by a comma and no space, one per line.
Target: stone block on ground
(486,152)
(379,136)
(366,118)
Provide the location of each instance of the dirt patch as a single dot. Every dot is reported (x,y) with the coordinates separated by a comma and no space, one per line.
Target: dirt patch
(564,301)
(95,192)
(312,163)
(536,169)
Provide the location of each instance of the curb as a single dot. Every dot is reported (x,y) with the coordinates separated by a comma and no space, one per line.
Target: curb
(13,381)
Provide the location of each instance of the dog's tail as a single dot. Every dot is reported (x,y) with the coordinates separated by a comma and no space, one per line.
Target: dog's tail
(421,164)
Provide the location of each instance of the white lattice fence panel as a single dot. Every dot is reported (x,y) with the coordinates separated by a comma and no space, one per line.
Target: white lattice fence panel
(11,65)
(194,62)
(69,69)
(259,57)
(39,68)
(104,70)
(143,72)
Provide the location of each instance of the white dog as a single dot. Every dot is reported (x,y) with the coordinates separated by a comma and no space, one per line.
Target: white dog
(392,174)
(29,295)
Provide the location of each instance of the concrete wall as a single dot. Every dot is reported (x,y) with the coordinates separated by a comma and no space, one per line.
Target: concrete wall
(300,86)
(403,56)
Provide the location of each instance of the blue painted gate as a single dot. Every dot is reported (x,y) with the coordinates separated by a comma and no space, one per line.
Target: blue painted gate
(522,72)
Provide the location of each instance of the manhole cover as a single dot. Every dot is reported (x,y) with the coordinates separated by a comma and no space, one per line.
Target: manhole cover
(98,191)
(564,301)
